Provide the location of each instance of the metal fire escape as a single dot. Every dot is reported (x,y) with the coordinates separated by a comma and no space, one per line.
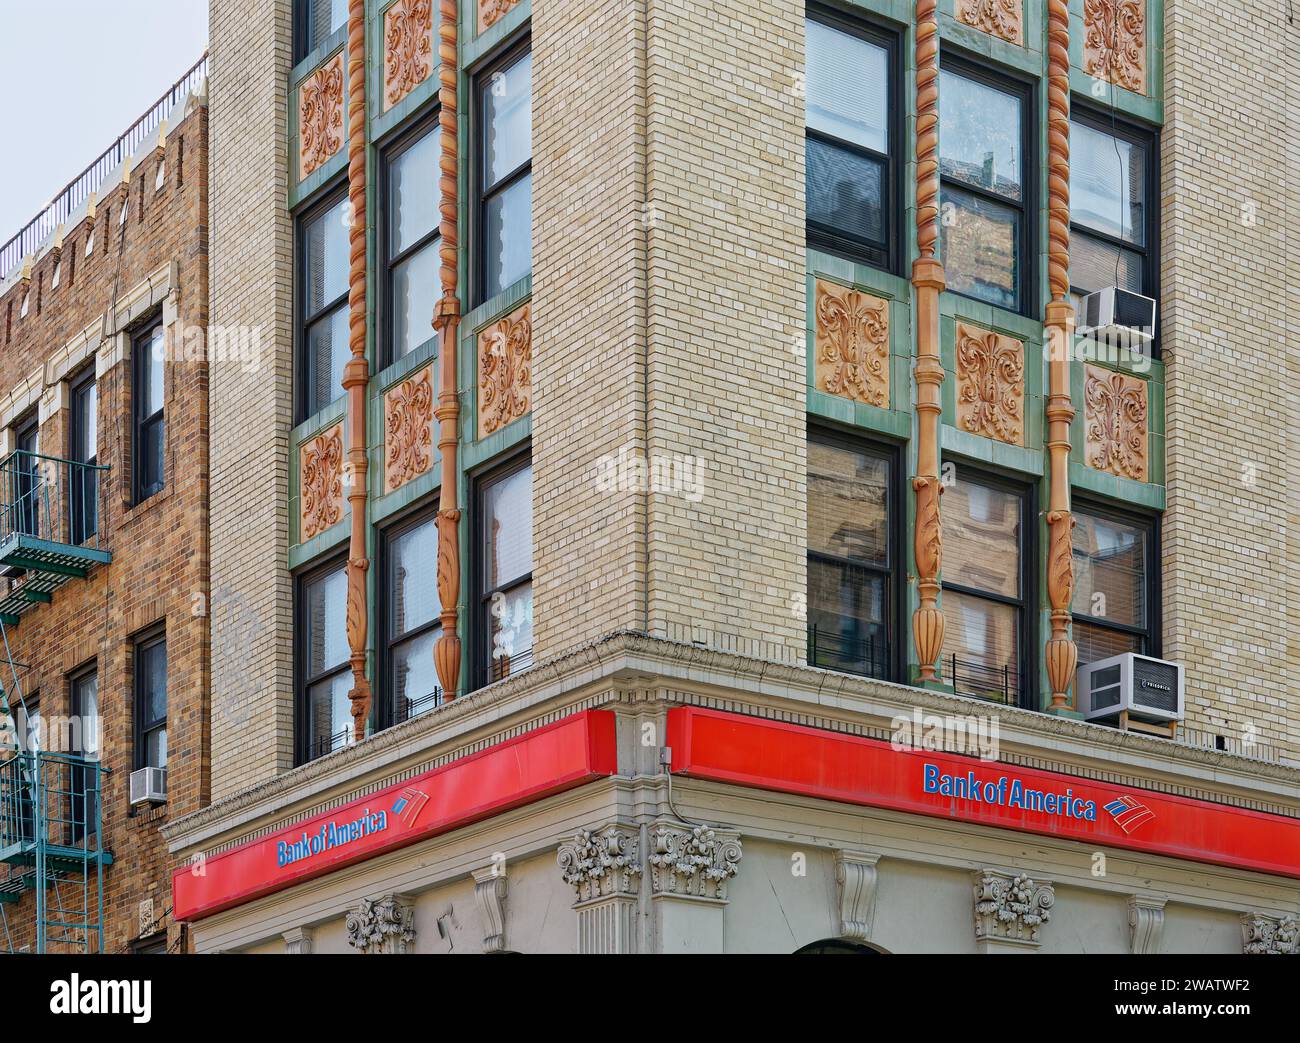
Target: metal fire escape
(51,836)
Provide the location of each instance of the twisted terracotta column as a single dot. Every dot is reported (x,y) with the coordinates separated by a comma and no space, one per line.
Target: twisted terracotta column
(446,653)
(356,374)
(1061,654)
(928,282)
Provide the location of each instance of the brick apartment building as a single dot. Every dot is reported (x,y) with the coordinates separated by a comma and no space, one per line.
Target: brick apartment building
(584,525)
(103,538)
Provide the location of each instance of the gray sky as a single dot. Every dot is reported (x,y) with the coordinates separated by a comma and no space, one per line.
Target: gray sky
(74,74)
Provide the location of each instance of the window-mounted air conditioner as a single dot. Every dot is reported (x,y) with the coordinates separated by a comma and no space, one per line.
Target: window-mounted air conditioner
(1118,318)
(149,786)
(1147,689)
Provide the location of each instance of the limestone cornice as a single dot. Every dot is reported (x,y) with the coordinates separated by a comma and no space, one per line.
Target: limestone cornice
(626,669)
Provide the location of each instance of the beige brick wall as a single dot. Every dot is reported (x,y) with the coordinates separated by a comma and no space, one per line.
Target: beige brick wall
(1231,561)
(588,318)
(726,308)
(668,292)
(250,284)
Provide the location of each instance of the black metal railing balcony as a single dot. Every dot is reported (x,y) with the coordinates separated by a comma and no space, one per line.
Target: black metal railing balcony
(504,666)
(832,650)
(49,499)
(998,684)
(407,707)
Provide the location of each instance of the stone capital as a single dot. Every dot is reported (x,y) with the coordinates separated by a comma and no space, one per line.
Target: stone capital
(1264,935)
(1010,910)
(382,926)
(602,862)
(692,861)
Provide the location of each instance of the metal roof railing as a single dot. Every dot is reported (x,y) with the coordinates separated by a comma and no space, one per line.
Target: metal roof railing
(31,235)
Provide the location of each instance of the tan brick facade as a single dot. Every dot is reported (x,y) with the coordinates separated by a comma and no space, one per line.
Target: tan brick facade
(154,263)
(1231,224)
(252,287)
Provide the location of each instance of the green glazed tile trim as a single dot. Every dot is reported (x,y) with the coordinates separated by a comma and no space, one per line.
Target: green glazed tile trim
(475,45)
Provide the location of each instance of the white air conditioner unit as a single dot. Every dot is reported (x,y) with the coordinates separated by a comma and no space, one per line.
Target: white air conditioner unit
(1117,318)
(149,786)
(1147,689)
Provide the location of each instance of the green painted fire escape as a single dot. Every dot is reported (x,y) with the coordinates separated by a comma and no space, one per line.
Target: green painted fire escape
(51,836)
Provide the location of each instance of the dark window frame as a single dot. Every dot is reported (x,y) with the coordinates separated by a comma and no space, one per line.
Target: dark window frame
(302,682)
(1107,121)
(320,204)
(80,775)
(478,252)
(303,18)
(386,709)
(27,477)
(384,311)
(141,346)
(1027,680)
(1025,88)
(1150,635)
(142,728)
(81,527)
(834,241)
(895,510)
(481,631)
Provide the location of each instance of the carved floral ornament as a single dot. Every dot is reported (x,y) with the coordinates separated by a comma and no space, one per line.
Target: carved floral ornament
(320,116)
(408,48)
(601,862)
(505,375)
(1011,908)
(1263,935)
(408,429)
(851,344)
(1114,43)
(693,860)
(492,11)
(320,482)
(381,925)
(1115,419)
(1001,18)
(990,384)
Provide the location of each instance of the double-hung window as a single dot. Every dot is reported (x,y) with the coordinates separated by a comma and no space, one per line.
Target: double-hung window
(1114,584)
(148,357)
(26,478)
(410,238)
(986,179)
(151,701)
(505,173)
(324,666)
(322,304)
(505,555)
(314,21)
(84,691)
(987,555)
(411,618)
(851,138)
(852,550)
(83,503)
(1112,224)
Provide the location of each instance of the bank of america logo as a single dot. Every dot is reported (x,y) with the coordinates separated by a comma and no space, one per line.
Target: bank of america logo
(408,805)
(1129,813)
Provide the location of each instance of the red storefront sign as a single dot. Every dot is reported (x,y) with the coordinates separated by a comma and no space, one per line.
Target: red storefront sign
(549,760)
(790,758)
